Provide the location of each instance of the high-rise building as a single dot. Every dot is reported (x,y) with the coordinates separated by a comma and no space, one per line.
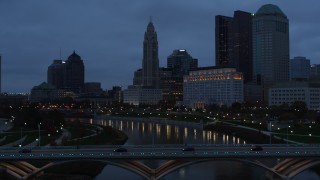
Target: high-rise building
(270,29)
(242,44)
(150,62)
(67,74)
(179,63)
(146,81)
(233,42)
(223,39)
(55,74)
(74,72)
(299,68)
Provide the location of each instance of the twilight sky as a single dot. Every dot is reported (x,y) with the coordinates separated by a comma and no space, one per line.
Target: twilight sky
(108,34)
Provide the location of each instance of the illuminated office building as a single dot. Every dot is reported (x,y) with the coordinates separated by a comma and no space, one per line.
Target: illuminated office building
(212,86)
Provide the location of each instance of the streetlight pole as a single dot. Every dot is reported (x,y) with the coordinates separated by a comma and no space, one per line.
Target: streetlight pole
(153,133)
(39,133)
(287,134)
(270,131)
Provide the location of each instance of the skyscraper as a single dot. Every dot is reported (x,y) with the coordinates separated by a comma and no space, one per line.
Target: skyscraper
(146,82)
(67,74)
(179,63)
(223,39)
(74,72)
(242,43)
(270,46)
(150,62)
(270,42)
(55,74)
(233,41)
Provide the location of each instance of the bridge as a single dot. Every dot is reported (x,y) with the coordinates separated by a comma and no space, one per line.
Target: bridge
(297,158)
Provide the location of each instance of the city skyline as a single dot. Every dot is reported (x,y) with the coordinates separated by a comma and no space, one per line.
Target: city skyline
(109,35)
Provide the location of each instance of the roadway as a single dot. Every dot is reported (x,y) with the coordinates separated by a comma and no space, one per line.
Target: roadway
(161,152)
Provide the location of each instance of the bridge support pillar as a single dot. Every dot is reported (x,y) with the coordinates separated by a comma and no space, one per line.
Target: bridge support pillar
(272,176)
(152,174)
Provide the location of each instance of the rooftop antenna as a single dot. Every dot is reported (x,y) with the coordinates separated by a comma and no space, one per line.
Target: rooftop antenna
(151,19)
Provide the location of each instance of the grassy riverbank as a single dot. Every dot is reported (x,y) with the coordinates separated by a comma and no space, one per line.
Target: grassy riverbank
(86,134)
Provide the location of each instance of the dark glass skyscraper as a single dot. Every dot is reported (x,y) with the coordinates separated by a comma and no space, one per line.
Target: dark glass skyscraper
(181,62)
(223,37)
(74,72)
(242,43)
(150,62)
(234,42)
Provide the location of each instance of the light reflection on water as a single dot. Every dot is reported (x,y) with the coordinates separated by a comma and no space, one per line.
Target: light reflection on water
(174,134)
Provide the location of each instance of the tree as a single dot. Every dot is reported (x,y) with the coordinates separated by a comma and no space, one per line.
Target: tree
(236,107)
(299,108)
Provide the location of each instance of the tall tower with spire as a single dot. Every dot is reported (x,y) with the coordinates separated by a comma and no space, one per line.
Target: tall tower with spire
(150,62)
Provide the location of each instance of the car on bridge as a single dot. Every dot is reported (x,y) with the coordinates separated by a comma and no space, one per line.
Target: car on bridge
(257,148)
(120,150)
(188,148)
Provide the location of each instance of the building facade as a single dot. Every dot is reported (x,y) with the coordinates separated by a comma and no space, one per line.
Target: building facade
(150,62)
(315,71)
(139,95)
(288,93)
(233,41)
(300,68)
(93,87)
(43,93)
(212,86)
(270,47)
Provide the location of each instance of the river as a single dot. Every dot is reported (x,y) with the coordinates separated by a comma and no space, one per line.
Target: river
(146,133)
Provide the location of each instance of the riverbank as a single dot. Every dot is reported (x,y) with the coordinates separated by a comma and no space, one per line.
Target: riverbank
(85,170)
(251,136)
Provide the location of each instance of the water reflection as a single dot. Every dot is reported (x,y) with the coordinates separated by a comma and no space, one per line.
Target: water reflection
(173,134)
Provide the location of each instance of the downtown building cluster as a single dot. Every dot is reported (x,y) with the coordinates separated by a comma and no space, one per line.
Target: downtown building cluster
(66,79)
(252,63)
